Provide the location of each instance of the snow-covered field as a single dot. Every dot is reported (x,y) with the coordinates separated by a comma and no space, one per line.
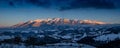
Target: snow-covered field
(58,45)
(108,37)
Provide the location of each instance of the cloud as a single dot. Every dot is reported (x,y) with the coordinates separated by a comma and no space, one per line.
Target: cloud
(43,3)
(69,4)
(90,3)
(11,3)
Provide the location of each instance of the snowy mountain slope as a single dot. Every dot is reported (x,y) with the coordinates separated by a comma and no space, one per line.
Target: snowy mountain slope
(93,35)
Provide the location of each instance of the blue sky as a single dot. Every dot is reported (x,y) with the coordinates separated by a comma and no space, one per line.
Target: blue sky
(10,15)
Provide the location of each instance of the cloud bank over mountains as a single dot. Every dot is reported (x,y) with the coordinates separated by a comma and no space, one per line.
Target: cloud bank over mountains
(64,4)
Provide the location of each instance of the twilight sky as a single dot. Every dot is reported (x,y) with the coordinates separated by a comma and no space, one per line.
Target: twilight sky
(15,11)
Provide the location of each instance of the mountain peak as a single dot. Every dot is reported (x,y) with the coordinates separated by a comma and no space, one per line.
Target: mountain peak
(38,20)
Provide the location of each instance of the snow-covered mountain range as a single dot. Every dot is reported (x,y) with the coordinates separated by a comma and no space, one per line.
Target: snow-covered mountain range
(57,21)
